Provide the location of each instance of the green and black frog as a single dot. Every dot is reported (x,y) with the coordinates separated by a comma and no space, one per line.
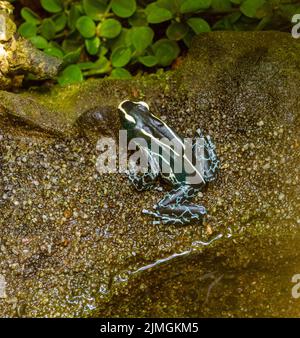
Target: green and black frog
(196,169)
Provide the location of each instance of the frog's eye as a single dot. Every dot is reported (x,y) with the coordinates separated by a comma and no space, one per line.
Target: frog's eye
(144,104)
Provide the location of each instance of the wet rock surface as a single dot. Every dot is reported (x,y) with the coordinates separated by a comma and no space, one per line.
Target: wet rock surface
(74,242)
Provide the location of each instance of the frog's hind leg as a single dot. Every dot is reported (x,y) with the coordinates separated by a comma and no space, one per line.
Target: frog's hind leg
(175,208)
(178,215)
(144,181)
(205,156)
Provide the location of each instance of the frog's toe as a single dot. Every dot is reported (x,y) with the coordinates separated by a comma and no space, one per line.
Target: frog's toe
(166,221)
(199,133)
(158,217)
(148,212)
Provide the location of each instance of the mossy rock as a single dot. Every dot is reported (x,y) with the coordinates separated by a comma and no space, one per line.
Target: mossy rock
(75,243)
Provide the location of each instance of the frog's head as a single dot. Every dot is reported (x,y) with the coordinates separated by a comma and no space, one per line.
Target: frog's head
(132,113)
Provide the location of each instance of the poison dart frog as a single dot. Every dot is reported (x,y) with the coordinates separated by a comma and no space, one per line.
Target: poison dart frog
(186,168)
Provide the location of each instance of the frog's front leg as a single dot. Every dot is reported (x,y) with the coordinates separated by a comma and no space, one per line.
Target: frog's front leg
(144,181)
(175,209)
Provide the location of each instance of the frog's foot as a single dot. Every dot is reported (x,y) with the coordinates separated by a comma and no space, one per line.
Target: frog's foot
(177,214)
(164,219)
(199,133)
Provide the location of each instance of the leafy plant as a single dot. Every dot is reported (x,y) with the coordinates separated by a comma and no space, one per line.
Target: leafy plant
(120,37)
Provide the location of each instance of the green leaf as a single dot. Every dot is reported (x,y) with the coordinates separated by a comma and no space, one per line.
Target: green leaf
(39,42)
(177,30)
(288,10)
(27,30)
(48,29)
(148,60)
(264,12)
(60,21)
(227,22)
(250,7)
(109,28)
(156,14)
(86,65)
(123,40)
(71,74)
(172,5)
(221,5)
(139,18)
(234,17)
(71,45)
(263,23)
(72,57)
(53,51)
(86,27)
(123,8)
(120,73)
(188,38)
(198,25)
(74,15)
(102,50)
(95,8)
(92,45)
(166,51)
(120,57)
(29,16)
(101,66)
(142,37)
(189,6)
(52,6)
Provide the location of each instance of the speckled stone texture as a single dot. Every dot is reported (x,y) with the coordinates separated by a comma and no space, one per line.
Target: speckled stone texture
(74,242)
